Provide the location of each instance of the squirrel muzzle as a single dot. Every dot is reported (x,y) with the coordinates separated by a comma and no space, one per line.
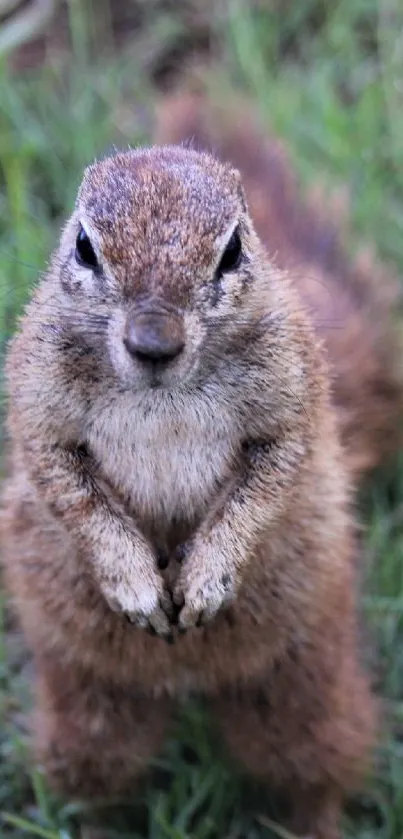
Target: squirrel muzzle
(153,336)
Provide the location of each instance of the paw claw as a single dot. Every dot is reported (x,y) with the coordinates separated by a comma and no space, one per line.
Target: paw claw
(178,599)
(202,607)
(166,605)
(144,608)
(169,638)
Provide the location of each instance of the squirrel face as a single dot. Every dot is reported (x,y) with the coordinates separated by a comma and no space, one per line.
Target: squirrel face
(156,265)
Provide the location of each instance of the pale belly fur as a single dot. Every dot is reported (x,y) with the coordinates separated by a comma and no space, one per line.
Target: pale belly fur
(168,460)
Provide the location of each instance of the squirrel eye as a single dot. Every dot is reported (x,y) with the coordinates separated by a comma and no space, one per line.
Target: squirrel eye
(232,255)
(84,253)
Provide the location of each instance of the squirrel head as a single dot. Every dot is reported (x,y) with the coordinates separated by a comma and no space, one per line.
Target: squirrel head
(158,265)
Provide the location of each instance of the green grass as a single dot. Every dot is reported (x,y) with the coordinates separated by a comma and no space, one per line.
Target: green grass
(327,76)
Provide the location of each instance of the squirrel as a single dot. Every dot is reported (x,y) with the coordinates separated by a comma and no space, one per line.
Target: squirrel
(178,514)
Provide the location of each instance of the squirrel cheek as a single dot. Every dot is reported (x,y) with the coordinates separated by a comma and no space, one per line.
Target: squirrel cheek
(226,292)
(194,330)
(118,355)
(70,281)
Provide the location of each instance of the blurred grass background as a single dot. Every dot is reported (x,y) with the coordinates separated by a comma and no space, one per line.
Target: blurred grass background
(327,76)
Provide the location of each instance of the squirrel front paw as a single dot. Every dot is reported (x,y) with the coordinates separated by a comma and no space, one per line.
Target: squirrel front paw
(147,605)
(204,587)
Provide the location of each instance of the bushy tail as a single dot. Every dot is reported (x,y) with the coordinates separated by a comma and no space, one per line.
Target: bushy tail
(353,303)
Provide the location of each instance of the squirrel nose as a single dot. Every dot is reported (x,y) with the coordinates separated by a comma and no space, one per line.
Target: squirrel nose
(154,337)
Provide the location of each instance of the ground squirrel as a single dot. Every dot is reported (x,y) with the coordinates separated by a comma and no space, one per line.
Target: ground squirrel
(175,459)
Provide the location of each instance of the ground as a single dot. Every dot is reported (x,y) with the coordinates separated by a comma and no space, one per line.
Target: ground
(326,76)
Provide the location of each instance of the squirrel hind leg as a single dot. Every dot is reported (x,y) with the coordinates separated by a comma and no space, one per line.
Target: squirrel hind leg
(316,813)
(94,740)
(307,732)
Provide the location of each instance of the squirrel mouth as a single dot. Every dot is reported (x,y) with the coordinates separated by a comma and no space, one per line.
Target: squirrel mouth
(154,373)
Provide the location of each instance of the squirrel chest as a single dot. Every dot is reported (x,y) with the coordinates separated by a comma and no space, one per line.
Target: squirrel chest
(166,456)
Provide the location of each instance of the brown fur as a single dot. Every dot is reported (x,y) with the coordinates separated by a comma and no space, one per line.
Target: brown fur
(227,460)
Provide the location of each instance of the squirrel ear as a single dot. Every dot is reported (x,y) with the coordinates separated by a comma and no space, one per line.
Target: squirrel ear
(238,186)
(242,196)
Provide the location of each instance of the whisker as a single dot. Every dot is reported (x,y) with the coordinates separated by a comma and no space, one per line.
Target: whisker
(290,391)
(215,356)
